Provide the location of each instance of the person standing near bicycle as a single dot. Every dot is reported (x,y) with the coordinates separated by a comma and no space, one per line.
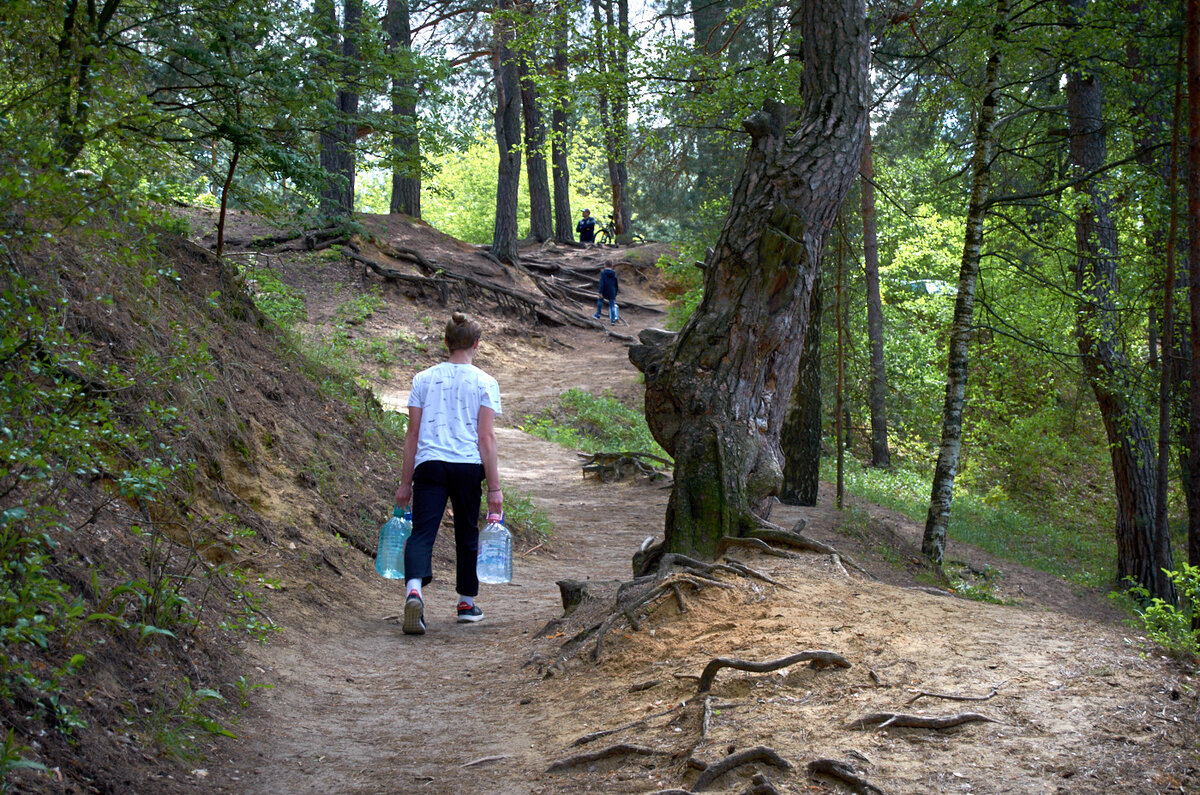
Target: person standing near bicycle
(608,292)
(586,228)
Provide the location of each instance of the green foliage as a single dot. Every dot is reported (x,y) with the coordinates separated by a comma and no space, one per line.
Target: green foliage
(12,758)
(170,721)
(283,304)
(598,423)
(1173,628)
(993,523)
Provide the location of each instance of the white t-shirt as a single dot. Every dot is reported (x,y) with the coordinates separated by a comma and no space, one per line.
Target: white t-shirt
(449,396)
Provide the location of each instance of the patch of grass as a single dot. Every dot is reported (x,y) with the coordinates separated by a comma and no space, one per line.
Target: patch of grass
(1082,555)
(283,304)
(359,308)
(596,423)
(523,519)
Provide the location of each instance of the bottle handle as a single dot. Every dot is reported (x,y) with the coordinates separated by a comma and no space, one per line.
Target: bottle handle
(492,518)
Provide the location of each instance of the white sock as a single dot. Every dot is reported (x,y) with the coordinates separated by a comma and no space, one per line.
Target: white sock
(470,600)
(415,585)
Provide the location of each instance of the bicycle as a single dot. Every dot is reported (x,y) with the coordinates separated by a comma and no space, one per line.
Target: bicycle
(608,233)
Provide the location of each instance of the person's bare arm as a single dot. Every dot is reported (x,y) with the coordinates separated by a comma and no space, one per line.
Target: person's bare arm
(491,461)
(404,492)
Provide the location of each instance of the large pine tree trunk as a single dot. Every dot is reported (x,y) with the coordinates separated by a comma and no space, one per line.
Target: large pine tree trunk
(540,223)
(1142,551)
(1193,232)
(877,394)
(933,544)
(406,173)
(508,140)
(717,393)
(564,222)
(800,439)
(338,140)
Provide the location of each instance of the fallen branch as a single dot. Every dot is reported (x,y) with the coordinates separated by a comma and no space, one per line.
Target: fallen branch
(622,749)
(484,759)
(710,670)
(884,720)
(757,754)
(845,773)
(610,467)
(954,697)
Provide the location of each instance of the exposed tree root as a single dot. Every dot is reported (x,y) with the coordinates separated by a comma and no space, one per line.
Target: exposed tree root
(587,738)
(884,720)
(621,749)
(955,697)
(775,534)
(756,544)
(719,768)
(612,467)
(824,657)
(508,298)
(844,772)
(760,785)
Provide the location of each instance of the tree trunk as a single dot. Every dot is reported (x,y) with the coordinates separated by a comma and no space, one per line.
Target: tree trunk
(880,455)
(1142,552)
(933,544)
(1193,208)
(406,143)
(564,221)
(540,223)
(338,140)
(716,395)
(508,140)
(800,439)
(612,53)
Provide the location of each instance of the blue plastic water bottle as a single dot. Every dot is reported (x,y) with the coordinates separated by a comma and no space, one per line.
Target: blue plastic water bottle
(494,564)
(389,558)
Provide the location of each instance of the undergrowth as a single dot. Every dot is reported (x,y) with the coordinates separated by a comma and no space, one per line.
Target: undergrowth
(595,423)
(1079,554)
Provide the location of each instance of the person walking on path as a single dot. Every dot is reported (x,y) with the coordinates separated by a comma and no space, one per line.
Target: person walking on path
(449,451)
(586,228)
(608,292)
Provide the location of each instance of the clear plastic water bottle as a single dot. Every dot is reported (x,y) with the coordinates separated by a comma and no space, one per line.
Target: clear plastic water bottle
(495,552)
(389,558)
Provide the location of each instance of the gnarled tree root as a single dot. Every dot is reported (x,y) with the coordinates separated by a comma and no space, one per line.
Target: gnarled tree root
(884,720)
(774,534)
(719,768)
(844,772)
(621,749)
(710,670)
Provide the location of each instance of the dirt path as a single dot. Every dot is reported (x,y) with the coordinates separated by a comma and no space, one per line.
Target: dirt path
(359,707)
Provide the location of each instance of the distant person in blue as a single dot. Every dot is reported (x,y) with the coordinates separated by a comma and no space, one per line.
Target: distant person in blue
(608,292)
(586,228)
(449,451)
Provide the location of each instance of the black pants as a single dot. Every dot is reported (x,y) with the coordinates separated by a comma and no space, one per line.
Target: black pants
(433,483)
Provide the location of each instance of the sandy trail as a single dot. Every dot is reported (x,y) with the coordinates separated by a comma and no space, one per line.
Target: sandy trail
(359,707)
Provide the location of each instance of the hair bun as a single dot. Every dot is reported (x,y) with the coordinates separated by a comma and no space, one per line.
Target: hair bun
(458,318)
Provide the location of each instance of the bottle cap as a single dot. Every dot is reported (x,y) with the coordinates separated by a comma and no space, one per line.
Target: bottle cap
(399,511)
(494,517)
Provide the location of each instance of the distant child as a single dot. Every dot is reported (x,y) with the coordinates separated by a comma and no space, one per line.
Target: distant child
(608,292)
(449,450)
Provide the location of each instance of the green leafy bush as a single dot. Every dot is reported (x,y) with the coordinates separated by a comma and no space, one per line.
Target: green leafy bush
(1173,628)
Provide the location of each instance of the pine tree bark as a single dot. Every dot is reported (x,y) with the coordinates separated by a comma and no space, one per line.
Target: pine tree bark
(540,222)
(933,543)
(564,221)
(716,394)
(1142,552)
(508,139)
(1193,208)
(406,144)
(338,140)
(877,393)
(800,438)
(612,54)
